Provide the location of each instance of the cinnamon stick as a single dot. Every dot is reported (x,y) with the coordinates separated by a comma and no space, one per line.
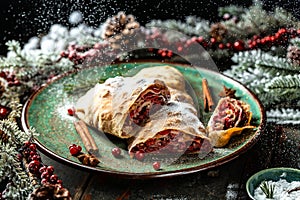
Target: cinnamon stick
(87,139)
(208,101)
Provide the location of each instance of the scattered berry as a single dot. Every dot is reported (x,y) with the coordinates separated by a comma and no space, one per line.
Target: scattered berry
(71,111)
(75,149)
(139,155)
(116,152)
(156,165)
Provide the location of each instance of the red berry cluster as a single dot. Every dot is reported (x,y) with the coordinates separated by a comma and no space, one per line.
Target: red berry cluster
(281,37)
(35,166)
(78,54)
(10,77)
(165,53)
(140,156)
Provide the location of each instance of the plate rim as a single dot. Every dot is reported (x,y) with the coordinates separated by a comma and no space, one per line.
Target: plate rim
(148,175)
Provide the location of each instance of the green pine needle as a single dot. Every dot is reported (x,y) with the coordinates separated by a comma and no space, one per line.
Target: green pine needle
(268,189)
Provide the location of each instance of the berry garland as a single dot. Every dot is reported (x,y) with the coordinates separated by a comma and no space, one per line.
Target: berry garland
(25,69)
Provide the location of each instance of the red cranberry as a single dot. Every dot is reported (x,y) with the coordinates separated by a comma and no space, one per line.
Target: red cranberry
(50,169)
(35,157)
(27,143)
(156,165)
(44,181)
(74,150)
(71,111)
(42,169)
(139,155)
(45,175)
(32,147)
(116,152)
(33,166)
(59,182)
(53,178)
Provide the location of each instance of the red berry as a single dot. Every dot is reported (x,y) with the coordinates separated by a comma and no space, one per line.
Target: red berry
(45,175)
(27,143)
(32,147)
(74,150)
(53,178)
(139,155)
(44,181)
(156,165)
(35,157)
(71,111)
(33,166)
(116,152)
(79,148)
(59,182)
(42,169)
(32,153)
(50,169)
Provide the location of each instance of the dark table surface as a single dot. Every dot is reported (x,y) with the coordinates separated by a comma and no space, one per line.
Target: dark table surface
(279,146)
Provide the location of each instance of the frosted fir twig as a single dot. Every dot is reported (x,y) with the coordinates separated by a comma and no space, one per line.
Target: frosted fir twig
(285,82)
(284,116)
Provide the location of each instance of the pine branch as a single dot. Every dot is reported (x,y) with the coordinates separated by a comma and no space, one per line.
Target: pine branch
(284,116)
(284,82)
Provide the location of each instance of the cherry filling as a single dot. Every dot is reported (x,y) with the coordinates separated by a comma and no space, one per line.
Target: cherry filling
(231,114)
(170,142)
(139,112)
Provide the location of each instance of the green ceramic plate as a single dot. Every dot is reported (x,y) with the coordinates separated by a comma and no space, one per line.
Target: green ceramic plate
(46,111)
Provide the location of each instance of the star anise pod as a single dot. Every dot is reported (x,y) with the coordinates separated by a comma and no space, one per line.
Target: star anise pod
(228,92)
(88,159)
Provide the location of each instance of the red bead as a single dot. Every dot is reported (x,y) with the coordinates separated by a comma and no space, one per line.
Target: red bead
(179,49)
(116,152)
(156,165)
(139,155)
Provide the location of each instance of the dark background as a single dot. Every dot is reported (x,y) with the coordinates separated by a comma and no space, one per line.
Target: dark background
(22,19)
